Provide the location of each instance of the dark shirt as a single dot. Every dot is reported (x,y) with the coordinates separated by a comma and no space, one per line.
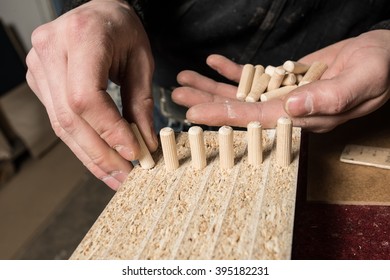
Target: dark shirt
(268,32)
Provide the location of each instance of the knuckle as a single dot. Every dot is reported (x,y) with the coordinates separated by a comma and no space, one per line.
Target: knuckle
(33,63)
(31,82)
(41,38)
(78,24)
(65,121)
(30,62)
(114,131)
(78,102)
(143,105)
(109,135)
(148,103)
(57,129)
(332,101)
(95,162)
(75,25)
(341,103)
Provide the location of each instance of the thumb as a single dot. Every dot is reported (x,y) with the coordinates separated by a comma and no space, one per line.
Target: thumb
(327,97)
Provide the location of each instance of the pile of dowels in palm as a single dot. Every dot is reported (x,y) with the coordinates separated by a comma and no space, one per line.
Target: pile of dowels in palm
(261,84)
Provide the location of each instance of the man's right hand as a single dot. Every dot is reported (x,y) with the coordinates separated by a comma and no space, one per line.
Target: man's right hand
(69,65)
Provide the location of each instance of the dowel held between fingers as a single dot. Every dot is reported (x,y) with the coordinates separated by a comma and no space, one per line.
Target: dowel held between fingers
(145,159)
(198,152)
(168,144)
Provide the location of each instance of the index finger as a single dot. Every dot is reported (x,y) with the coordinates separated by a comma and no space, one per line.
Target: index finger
(136,91)
(237,113)
(87,81)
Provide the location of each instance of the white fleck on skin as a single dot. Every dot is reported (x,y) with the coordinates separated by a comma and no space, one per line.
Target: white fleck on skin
(230,111)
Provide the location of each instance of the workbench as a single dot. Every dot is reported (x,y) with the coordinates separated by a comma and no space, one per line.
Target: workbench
(244,212)
(338,217)
(342,209)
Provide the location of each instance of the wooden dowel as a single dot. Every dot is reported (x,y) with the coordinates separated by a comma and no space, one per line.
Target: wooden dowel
(255,146)
(277,93)
(258,87)
(289,79)
(259,70)
(295,67)
(276,79)
(226,150)
(245,82)
(283,141)
(198,152)
(145,159)
(299,78)
(168,144)
(314,73)
(269,70)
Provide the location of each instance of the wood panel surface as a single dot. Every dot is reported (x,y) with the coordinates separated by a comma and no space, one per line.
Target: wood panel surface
(245,212)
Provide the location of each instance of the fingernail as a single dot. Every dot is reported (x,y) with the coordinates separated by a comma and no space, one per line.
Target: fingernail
(299,105)
(125,152)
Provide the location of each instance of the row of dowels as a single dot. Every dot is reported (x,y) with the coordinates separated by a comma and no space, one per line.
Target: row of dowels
(261,84)
(226,149)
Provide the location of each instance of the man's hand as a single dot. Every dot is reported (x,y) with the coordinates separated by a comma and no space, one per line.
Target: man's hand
(356,83)
(71,61)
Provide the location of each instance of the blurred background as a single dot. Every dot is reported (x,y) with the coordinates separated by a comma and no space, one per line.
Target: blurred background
(48,200)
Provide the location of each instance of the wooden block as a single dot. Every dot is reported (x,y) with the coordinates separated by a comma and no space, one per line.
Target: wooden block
(241,213)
